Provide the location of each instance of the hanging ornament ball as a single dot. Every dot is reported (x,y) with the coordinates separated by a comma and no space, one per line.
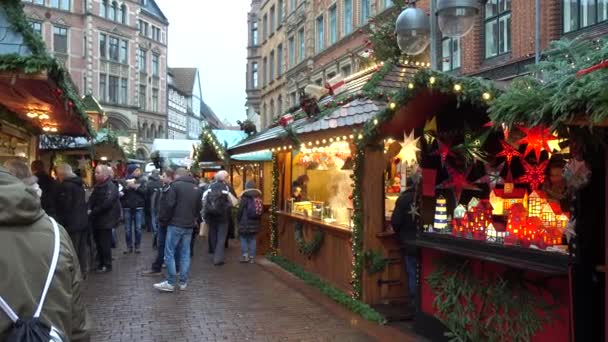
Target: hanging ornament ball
(70,104)
(457,17)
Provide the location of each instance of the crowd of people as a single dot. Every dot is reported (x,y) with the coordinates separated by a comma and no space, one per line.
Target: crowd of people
(175,205)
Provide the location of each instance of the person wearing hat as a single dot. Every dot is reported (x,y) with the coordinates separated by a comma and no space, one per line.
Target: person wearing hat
(133,204)
(249,220)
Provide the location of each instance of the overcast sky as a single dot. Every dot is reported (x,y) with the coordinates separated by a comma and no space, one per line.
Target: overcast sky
(212,36)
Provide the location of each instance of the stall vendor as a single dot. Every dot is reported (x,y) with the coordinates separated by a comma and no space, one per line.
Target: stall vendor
(297,194)
(301,182)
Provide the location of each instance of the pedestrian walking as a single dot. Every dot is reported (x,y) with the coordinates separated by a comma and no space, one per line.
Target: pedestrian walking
(31,291)
(133,203)
(249,217)
(157,264)
(48,186)
(180,210)
(217,206)
(72,212)
(104,214)
(153,190)
(120,188)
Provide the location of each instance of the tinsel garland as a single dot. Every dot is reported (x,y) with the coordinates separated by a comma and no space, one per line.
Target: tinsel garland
(274,206)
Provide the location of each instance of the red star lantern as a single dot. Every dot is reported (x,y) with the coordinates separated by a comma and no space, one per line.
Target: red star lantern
(458,182)
(508,152)
(534,174)
(443,151)
(537,139)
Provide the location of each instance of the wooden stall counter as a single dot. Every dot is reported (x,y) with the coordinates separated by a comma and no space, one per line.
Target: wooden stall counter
(331,261)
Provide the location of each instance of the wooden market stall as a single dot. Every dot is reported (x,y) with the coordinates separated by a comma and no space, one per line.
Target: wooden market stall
(36,93)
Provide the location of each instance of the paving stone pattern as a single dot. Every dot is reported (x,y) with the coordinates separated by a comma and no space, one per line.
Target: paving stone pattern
(234,302)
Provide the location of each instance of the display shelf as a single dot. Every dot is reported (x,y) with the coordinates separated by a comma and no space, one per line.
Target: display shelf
(327,226)
(513,256)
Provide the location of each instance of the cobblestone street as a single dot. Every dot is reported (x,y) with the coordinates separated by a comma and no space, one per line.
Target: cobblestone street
(235,302)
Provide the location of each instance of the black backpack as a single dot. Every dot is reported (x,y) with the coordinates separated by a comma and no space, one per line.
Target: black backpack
(216,203)
(33,329)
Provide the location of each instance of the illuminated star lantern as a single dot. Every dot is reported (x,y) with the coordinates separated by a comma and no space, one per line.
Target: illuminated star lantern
(409,149)
(472,145)
(534,174)
(492,177)
(82,163)
(537,139)
(508,152)
(443,151)
(458,182)
(430,130)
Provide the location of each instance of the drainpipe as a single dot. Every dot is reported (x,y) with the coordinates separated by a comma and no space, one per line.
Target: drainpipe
(537,32)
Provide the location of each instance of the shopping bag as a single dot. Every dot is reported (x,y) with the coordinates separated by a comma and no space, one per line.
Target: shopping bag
(204,231)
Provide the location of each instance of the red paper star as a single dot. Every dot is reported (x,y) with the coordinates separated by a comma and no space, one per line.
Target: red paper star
(535,174)
(508,152)
(457,182)
(537,139)
(444,150)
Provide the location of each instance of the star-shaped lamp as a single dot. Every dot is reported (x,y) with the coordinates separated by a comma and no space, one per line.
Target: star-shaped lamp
(458,182)
(409,147)
(537,139)
(508,152)
(492,176)
(534,174)
(444,150)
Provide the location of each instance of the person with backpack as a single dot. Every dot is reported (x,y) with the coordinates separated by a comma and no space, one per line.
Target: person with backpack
(40,294)
(249,215)
(216,211)
(133,204)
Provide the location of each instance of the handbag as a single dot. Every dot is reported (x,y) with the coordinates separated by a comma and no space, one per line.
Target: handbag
(204,231)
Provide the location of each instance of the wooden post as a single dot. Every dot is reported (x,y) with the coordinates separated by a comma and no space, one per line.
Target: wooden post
(605,245)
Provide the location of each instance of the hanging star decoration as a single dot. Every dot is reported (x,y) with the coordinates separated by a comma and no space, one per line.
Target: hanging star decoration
(458,182)
(537,139)
(113,164)
(430,130)
(508,152)
(492,176)
(576,174)
(444,150)
(414,211)
(82,163)
(534,174)
(409,149)
(471,148)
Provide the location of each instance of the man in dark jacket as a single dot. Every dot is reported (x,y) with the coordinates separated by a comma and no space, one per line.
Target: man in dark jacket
(104,214)
(133,204)
(72,211)
(403,222)
(218,223)
(153,190)
(48,186)
(179,212)
(250,217)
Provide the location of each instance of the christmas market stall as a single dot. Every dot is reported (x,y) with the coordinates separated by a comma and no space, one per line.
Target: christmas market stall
(490,206)
(36,93)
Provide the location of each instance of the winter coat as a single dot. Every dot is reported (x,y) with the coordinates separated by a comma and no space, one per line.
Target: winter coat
(134,198)
(221,219)
(181,205)
(105,206)
(403,223)
(153,189)
(71,205)
(245,223)
(26,248)
(49,193)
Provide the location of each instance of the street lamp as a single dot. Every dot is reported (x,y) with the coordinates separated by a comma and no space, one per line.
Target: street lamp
(457,17)
(413,31)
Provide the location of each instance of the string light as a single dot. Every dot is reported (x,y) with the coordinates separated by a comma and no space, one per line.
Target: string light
(486,96)
(32,115)
(457,87)
(331,140)
(410,85)
(344,137)
(351,136)
(44,116)
(324,141)
(317,142)
(375,121)
(432,80)
(392,105)
(360,137)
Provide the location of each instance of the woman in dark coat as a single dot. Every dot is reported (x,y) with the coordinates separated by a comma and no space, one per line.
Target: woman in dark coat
(249,220)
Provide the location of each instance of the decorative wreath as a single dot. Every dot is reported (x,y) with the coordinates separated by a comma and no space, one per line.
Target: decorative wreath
(308,248)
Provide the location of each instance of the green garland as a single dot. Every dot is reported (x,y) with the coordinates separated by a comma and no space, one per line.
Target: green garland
(375,262)
(357,239)
(290,134)
(335,294)
(308,248)
(509,308)
(274,229)
(208,138)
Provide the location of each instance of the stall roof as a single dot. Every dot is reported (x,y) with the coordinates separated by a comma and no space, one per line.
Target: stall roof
(352,114)
(68,143)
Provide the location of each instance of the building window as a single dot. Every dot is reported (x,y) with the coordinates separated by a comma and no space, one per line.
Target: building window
(37,27)
(292,5)
(365,11)
(124,14)
(301,45)
(254,74)
(280,105)
(112,11)
(124,93)
(271,19)
(281,12)
(497,27)
(254,33)
(142,96)
(102,45)
(348,16)
(60,39)
(156,33)
(280,60)
(141,60)
(155,64)
(113,89)
(119,13)
(320,34)
(37,2)
(155,102)
(333,24)
(265,72)
(143,28)
(61,4)
(102,87)
(450,54)
(124,51)
(292,99)
(292,51)
(579,14)
(346,70)
(113,52)
(271,67)
(103,9)
(265,26)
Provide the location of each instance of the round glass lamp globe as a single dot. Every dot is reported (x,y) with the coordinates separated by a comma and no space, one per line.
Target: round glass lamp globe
(413,31)
(456,22)
(413,42)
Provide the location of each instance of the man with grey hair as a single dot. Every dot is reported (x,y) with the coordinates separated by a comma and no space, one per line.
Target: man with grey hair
(217,207)
(72,211)
(104,214)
